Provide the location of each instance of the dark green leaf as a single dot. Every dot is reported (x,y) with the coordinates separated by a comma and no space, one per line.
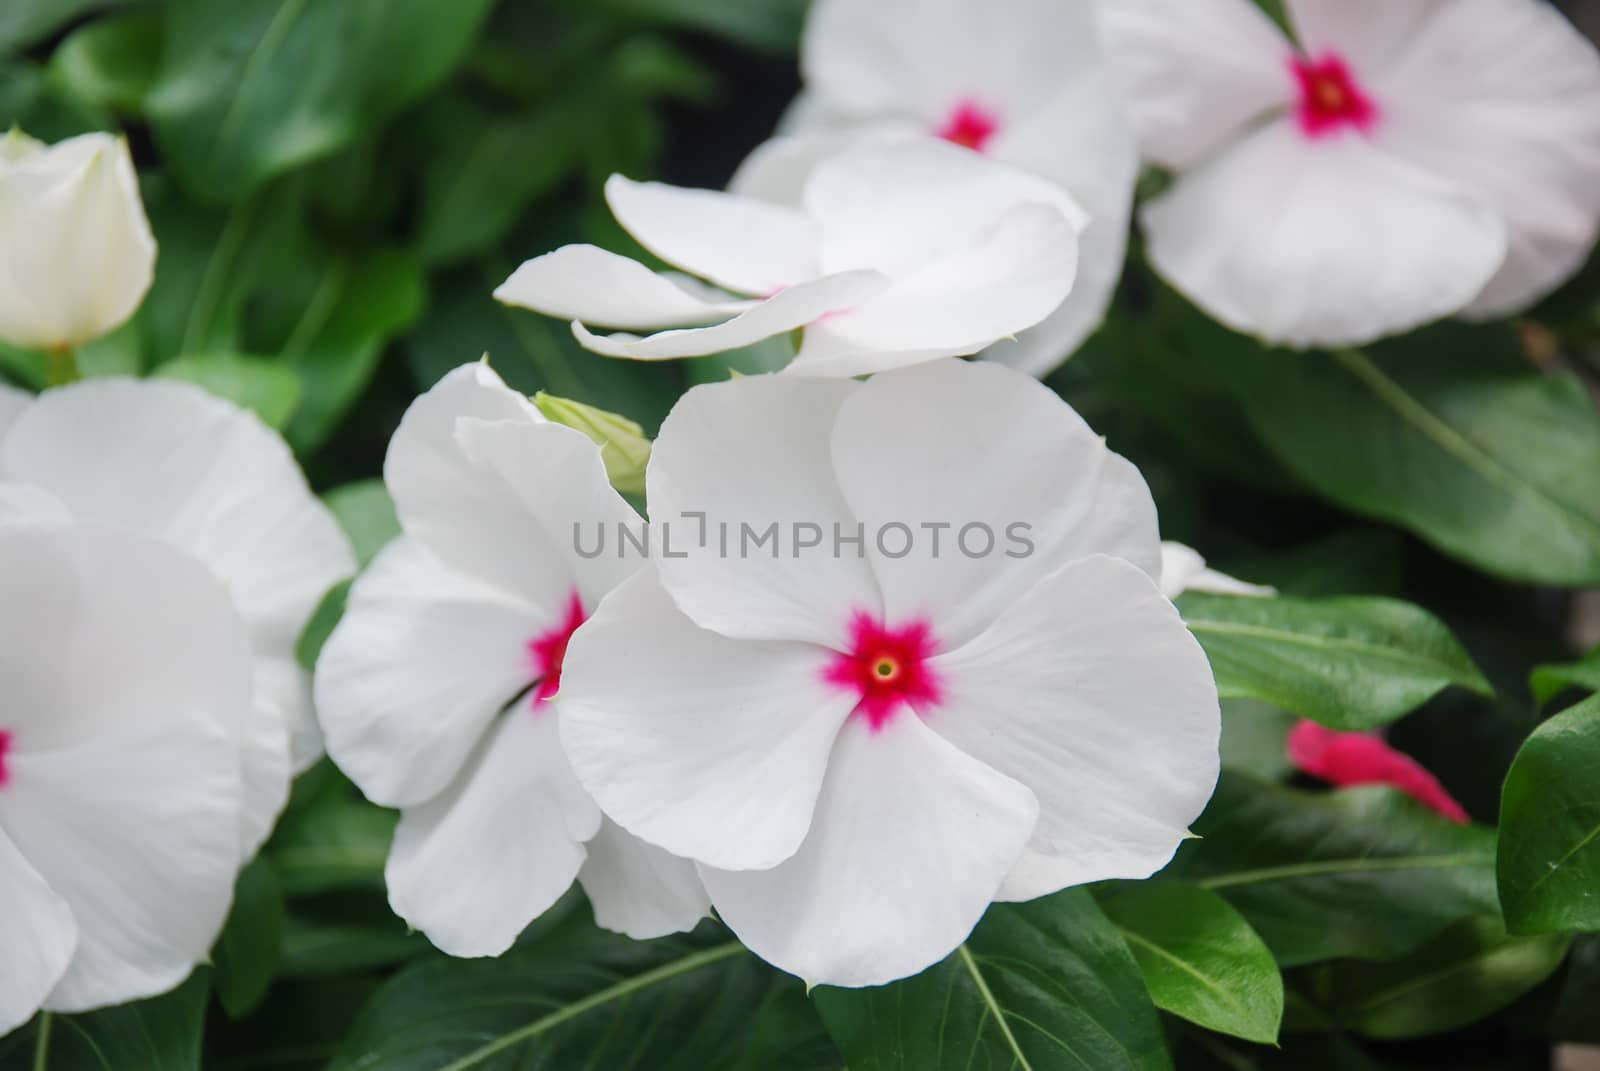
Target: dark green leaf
(769,24)
(246,956)
(575,996)
(24,21)
(366,512)
(1351,663)
(1046,984)
(1200,958)
(1550,681)
(323,621)
(110,63)
(1255,738)
(1363,872)
(270,389)
(161,1034)
(328,938)
(1467,973)
(1549,865)
(254,88)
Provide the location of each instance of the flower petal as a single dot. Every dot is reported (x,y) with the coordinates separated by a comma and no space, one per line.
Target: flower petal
(38,934)
(585,282)
(785,311)
(1327,243)
(744,245)
(1009,279)
(754,451)
(1505,98)
(711,748)
(960,444)
(1195,72)
(418,667)
(210,478)
(1092,693)
(12,403)
(639,890)
(1183,569)
(473,867)
(910,841)
(1370,35)
(1346,759)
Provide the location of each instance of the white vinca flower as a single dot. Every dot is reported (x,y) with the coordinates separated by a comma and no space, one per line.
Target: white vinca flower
(437,691)
(1399,161)
(935,672)
(124,694)
(1183,569)
(895,253)
(75,246)
(168,460)
(1022,81)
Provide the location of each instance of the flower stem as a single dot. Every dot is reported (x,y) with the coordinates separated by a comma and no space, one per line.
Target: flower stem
(41,1044)
(62,368)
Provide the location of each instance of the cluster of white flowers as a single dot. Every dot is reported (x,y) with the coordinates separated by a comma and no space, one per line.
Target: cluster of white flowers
(848,756)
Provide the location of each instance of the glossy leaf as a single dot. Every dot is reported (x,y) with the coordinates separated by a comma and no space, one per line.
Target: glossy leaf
(1362,872)
(1200,958)
(1550,681)
(1045,984)
(1350,663)
(246,956)
(164,1033)
(570,995)
(267,388)
(1549,864)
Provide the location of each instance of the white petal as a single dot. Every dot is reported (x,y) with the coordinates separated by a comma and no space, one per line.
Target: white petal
(77,255)
(897,205)
(911,840)
(12,403)
(1092,693)
(754,452)
(416,670)
(778,169)
(169,460)
(24,502)
(745,245)
(785,311)
(1009,279)
(473,867)
(1332,242)
(459,506)
(1183,569)
(38,934)
(639,890)
(1369,35)
(585,282)
(1195,72)
(711,748)
(959,444)
(1504,96)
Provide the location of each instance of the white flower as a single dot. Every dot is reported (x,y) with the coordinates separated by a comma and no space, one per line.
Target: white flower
(168,460)
(897,253)
(76,251)
(436,690)
(1399,162)
(1022,81)
(862,747)
(1183,569)
(124,688)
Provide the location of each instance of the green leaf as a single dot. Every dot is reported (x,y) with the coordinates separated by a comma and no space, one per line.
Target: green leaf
(1466,974)
(571,995)
(1350,663)
(770,24)
(1200,958)
(1549,865)
(251,89)
(366,512)
(1363,872)
(1550,681)
(110,63)
(338,842)
(247,953)
(1450,435)
(1040,985)
(1255,738)
(344,934)
(267,388)
(161,1034)
(323,621)
(23,22)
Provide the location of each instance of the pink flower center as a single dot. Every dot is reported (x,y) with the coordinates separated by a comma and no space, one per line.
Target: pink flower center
(970,124)
(887,669)
(549,651)
(1330,98)
(1347,759)
(5,750)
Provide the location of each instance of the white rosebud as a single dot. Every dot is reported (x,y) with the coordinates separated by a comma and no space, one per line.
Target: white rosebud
(76,250)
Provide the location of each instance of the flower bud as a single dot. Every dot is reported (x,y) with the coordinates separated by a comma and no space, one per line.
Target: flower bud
(75,247)
(623,445)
